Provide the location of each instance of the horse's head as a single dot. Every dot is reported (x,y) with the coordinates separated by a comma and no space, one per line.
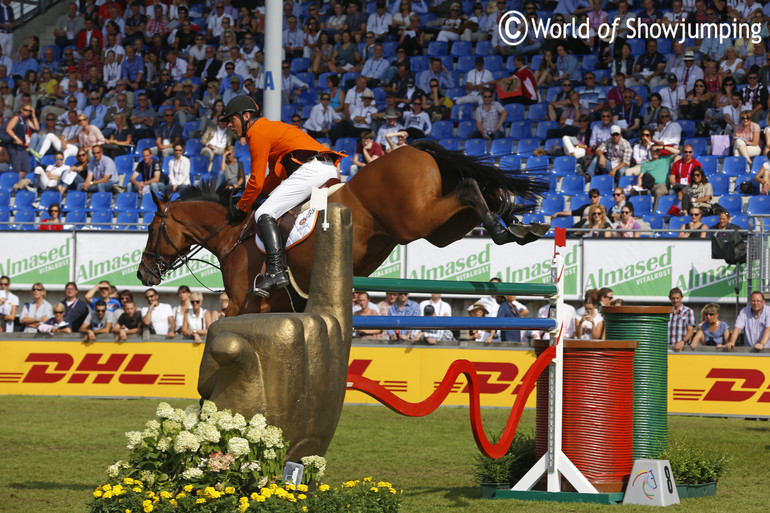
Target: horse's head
(166,243)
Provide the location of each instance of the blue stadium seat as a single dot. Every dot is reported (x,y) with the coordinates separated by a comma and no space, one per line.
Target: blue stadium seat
(535,63)
(698,146)
(526,147)
(389,48)
(76,217)
(141,144)
(465,129)
(641,91)
(515,112)
(510,163)
(455,92)
(475,147)
(5,219)
(8,180)
(287,111)
(572,184)
(323,79)
(493,63)
(5,200)
(347,145)
(47,160)
(688,127)
(100,201)
(675,224)
(551,92)
(501,147)
(758,205)
(299,65)
(541,132)
(27,215)
(465,63)
(605,184)
(734,166)
(565,166)
(146,204)
(437,49)
(537,165)
(190,127)
(733,203)
(100,219)
(720,184)
(193,147)
(560,222)
(24,200)
(199,164)
(638,46)
(461,49)
(532,218)
(710,220)
(741,220)
(642,205)
(462,112)
(124,164)
(442,129)
(47,198)
(350,76)
(551,204)
(484,48)
(127,220)
(345,163)
(165,165)
(419,63)
(710,165)
(450,143)
(665,203)
(757,163)
(520,130)
(589,63)
(607,201)
(537,112)
(126,201)
(627,180)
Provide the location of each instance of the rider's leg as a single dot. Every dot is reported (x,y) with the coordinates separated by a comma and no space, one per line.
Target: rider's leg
(275,257)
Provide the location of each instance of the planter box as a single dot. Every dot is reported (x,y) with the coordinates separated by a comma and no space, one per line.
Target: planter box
(488,489)
(690,491)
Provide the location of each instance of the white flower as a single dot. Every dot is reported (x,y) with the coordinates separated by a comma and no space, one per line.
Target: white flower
(316,462)
(194,408)
(207,432)
(192,473)
(239,422)
(258,421)
(164,444)
(190,421)
(238,446)
(134,439)
(113,469)
(208,409)
(186,441)
(147,433)
(164,411)
(153,427)
(224,420)
(255,434)
(251,465)
(171,427)
(179,415)
(269,454)
(147,476)
(273,437)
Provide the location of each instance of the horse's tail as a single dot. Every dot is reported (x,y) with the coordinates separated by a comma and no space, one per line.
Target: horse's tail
(489,177)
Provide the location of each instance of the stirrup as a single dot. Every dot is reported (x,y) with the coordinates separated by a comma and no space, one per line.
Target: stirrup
(280,280)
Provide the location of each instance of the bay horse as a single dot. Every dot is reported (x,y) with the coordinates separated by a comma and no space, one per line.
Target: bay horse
(418,191)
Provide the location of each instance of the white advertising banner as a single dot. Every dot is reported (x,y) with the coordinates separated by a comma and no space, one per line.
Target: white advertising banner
(27,258)
(638,269)
(116,257)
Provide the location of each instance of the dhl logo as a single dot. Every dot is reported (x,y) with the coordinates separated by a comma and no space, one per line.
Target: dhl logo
(732,385)
(95,368)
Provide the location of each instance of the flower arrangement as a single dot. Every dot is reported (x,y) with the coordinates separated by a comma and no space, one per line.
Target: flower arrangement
(201,459)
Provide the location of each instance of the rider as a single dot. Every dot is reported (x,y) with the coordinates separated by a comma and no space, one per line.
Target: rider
(295,163)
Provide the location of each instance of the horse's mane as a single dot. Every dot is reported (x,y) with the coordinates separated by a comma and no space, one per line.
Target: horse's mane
(206,191)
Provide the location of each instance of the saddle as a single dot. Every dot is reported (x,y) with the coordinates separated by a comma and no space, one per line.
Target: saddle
(287,221)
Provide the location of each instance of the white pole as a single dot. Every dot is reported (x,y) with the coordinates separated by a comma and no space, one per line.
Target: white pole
(273,52)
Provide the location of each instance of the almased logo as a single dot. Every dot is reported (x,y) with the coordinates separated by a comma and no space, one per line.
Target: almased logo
(467,267)
(49,266)
(649,277)
(712,283)
(391,267)
(540,272)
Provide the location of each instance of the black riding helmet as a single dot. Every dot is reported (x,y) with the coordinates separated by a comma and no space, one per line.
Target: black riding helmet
(239,105)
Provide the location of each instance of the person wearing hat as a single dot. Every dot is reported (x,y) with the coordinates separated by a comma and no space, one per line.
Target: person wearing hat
(322,118)
(479,310)
(476,80)
(295,163)
(689,72)
(360,118)
(612,156)
(391,126)
(673,96)
(234,90)
(429,336)
(186,103)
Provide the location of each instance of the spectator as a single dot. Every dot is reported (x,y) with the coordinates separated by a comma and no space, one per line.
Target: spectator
(654,173)
(673,96)
(183,292)
(437,71)
(90,136)
(18,132)
(396,140)
(364,308)
(712,331)
(628,116)
(215,315)
(626,223)
(102,174)
(56,324)
(360,118)
(615,95)
(479,310)
(619,196)
(412,38)
(575,145)
(36,311)
(681,321)
(746,139)
(95,111)
(194,324)
(612,157)
(754,96)
(417,122)
(440,307)
(650,68)
(754,322)
(129,322)
(146,176)
(679,178)
(546,70)
(698,101)
(590,326)
(377,69)
(157,317)
(9,303)
(293,39)
(103,288)
(695,229)
(75,309)
(560,101)
(568,121)
(402,307)
(476,80)
(567,66)
(291,86)
(568,322)
(490,117)
(732,65)
(119,141)
(385,305)
(231,173)
(143,118)
(215,139)
(379,21)
(699,193)
(367,151)
(167,135)
(68,26)
(597,222)
(322,118)
(651,118)
(668,133)
(508,309)
(53,222)
(215,23)
(99,321)
(582,211)
(120,107)
(356,20)
(430,336)
(391,126)
(49,179)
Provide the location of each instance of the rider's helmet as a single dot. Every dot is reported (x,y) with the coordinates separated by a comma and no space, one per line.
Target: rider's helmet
(239,105)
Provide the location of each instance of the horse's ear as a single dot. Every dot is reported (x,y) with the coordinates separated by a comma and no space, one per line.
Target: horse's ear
(155,200)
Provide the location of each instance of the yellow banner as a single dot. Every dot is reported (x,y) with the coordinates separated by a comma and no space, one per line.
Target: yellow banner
(712,384)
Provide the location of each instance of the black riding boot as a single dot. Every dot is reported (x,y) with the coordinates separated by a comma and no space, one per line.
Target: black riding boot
(275,257)
(515,232)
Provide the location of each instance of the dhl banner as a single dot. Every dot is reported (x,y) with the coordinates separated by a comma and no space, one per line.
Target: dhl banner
(699,384)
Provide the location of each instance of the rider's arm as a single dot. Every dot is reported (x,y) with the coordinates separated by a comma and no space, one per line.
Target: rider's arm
(259,148)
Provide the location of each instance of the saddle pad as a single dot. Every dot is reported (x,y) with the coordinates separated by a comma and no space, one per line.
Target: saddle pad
(302,227)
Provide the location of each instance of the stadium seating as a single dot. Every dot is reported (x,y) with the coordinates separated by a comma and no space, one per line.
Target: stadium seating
(100,201)
(24,200)
(537,165)
(551,204)
(605,184)
(47,198)
(125,201)
(733,203)
(77,218)
(734,166)
(24,217)
(7,180)
(526,147)
(501,147)
(475,147)
(758,205)
(100,219)
(127,220)
(141,144)
(665,203)
(642,205)
(465,129)
(5,200)
(572,184)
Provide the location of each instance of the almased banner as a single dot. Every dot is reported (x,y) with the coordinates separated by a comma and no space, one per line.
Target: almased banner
(27,258)
(476,259)
(116,258)
(393,266)
(649,269)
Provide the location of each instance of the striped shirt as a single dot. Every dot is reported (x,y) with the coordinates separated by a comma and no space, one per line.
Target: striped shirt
(678,323)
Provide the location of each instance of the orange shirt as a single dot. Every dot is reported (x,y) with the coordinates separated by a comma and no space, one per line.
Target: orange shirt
(269,143)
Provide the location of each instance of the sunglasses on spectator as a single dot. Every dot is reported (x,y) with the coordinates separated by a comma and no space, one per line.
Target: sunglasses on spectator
(695,214)
(625,211)
(36,289)
(685,152)
(195,301)
(101,310)
(594,196)
(618,193)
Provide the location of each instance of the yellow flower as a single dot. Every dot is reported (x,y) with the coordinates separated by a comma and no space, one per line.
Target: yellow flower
(374,489)
(291,486)
(229,490)
(147,506)
(254,496)
(128,511)
(181,495)
(392,490)
(107,487)
(243,507)
(173,502)
(350,484)
(367,479)
(384,484)
(97,494)
(267,493)
(302,488)
(323,488)
(302,496)
(165,495)
(273,486)
(261,498)
(188,488)
(200,501)
(107,495)
(137,489)
(304,508)
(128,481)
